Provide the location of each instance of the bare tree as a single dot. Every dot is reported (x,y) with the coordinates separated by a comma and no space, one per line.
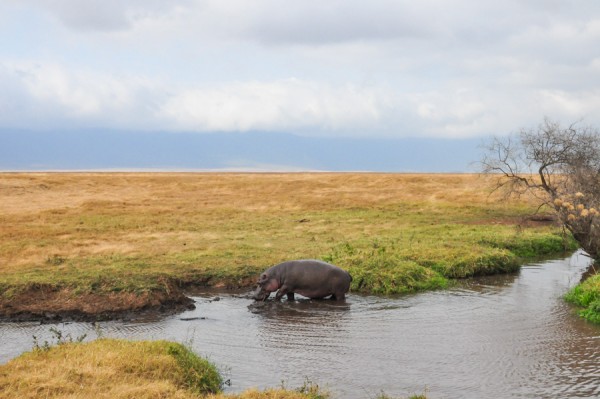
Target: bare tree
(560,167)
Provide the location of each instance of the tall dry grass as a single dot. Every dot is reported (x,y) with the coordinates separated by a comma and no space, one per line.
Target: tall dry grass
(46,217)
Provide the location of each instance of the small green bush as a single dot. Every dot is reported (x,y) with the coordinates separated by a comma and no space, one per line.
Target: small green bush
(587,295)
(199,374)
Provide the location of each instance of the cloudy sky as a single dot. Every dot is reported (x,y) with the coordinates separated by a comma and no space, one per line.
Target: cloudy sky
(314,68)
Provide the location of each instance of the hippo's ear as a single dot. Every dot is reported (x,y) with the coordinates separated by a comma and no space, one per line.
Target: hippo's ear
(263,278)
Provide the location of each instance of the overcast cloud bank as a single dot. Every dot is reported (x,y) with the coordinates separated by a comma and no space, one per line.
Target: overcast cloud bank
(338,68)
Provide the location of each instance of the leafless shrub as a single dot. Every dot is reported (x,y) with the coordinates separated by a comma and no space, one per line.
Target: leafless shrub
(560,167)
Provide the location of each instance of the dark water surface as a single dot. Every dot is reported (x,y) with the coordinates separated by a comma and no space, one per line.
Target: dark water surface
(496,337)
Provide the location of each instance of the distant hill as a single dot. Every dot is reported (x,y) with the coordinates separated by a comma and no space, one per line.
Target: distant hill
(254,151)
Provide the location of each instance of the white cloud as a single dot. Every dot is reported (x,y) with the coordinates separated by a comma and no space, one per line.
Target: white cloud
(85,98)
(572,106)
(52,94)
(385,67)
(290,104)
(37,96)
(76,93)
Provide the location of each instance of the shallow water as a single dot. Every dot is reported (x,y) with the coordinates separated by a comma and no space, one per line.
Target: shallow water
(508,336)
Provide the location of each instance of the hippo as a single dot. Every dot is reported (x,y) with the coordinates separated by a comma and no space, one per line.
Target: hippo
(311,278)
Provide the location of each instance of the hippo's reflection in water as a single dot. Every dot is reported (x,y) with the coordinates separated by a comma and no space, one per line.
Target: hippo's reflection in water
(301,310)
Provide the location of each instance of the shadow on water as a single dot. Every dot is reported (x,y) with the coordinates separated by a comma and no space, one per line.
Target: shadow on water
(509,336)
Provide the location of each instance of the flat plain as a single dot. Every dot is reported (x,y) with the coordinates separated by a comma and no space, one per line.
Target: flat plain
(103,243)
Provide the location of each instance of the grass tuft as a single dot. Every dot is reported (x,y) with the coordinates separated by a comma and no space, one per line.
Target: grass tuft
(108,368)
(383,275)
(587,296)
(199,375)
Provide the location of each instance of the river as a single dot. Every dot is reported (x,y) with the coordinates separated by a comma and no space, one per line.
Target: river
(509,336)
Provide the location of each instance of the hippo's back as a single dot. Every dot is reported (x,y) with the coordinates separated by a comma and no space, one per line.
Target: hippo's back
(314,276)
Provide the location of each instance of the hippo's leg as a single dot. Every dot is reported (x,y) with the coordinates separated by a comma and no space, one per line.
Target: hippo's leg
(283,290)
(340,296)
(290,296)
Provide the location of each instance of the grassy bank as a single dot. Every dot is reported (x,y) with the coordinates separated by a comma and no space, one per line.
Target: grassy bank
(587,296)
(110,368)
(98,243)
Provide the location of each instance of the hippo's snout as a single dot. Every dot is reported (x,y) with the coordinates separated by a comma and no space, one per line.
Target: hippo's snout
(260,294)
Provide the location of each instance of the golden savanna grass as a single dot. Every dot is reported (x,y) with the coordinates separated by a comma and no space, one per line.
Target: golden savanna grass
(99,234)
(78,215)
(103,369)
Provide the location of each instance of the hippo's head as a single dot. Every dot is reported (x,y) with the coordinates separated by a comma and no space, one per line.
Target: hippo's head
(264,287)
(260,294)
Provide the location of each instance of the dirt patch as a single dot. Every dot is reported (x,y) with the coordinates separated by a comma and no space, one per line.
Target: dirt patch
(43,303)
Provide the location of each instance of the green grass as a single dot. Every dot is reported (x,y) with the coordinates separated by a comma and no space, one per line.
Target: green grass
(587,296)
(418,261)
(198,374)
(399,258)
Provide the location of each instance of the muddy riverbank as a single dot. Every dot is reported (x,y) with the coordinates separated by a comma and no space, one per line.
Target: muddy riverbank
(48,304)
